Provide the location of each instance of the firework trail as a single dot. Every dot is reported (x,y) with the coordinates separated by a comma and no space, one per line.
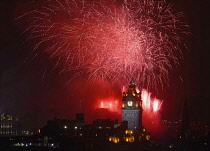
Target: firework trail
(109,40)
(150,105)
(109,106)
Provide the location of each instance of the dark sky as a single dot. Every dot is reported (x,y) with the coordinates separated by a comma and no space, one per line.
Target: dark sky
(31,90)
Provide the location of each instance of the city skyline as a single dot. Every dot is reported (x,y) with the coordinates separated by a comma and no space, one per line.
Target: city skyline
(33,87)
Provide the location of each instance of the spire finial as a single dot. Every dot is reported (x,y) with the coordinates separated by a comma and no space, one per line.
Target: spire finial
(132,83)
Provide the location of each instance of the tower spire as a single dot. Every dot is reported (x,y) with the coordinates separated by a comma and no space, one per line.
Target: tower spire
(185,125)
(132,108)
(132,83)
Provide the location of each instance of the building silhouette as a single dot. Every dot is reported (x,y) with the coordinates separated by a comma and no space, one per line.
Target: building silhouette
(132,108)
(6,125)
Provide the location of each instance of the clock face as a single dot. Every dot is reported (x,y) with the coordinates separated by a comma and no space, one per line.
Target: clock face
(130,103)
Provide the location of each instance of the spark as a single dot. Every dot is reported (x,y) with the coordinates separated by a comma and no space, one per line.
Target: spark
(109,40)
(157,105)
(150,104)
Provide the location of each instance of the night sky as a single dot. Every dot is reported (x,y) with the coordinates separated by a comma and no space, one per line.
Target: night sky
(32,90)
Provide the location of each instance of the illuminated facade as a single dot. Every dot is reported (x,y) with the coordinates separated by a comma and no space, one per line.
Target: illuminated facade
(6,125)
(132,108)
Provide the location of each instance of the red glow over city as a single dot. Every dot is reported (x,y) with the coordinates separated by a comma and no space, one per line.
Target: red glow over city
(112,104)
(150,105)
(151,109)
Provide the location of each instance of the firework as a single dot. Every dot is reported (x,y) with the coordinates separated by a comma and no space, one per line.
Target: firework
(150,104)
(109,40)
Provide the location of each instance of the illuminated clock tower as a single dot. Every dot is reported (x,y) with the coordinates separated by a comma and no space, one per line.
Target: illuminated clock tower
(132,108)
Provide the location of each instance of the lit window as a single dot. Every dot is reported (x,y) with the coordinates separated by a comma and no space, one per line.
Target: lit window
(123,104)
(129,139)
(147,137)
(137,104)
(114,139)
(128,132)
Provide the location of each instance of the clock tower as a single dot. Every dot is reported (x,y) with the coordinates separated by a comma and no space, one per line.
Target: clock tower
(132,108)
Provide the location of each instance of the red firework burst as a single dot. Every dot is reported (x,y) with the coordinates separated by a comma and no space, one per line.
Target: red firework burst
(107,40)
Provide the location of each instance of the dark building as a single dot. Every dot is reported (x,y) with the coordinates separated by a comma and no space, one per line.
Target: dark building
(104,124)
(80,119)
(6,125)
(63,126)
(185,123)
(132,108)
